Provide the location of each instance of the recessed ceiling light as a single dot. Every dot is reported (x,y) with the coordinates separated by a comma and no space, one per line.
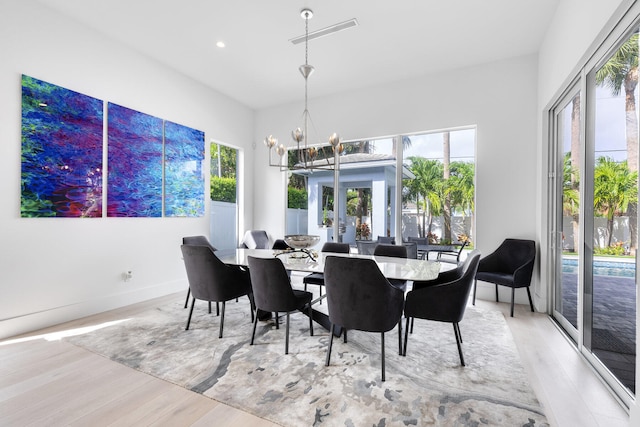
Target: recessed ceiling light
(220,44)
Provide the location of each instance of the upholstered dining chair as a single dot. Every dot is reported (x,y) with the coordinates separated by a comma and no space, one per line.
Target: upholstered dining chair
(199,241)
(396,251)
(443,299)
(318,278)
(359,297)
(511,265)
(412,249)
(389,240)
(212,280)
(366,247)
(272,292)
(256,239)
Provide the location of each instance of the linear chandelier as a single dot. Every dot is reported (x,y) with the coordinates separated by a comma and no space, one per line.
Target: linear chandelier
(308,157)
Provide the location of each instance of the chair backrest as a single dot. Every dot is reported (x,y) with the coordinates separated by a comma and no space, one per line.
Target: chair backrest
(396,251)
(336,248)
(359,296)
(256,239)
(209,278)
(366,247)
(280,244)
(418,240)
(271,285)
(512,255)
(198,241)
(445,302)
(412,249)
(391,240)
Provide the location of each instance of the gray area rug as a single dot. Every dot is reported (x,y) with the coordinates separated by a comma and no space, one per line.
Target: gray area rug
(428,387)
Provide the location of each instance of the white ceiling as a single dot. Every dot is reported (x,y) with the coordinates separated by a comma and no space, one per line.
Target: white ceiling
(394,40)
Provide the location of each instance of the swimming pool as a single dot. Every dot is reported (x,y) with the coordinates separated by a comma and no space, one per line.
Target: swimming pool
(602,268)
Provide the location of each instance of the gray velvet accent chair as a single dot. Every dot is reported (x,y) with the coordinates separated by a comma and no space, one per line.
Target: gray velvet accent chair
(443,299)
(198,241)
(511,265)
(395,251)
(389,240)
(256,239)
(359,297)
(212,280)
(412,249)
(318,278)
(273,293)
(366,247)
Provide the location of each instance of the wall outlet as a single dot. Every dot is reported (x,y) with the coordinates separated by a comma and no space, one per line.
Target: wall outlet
(127,275)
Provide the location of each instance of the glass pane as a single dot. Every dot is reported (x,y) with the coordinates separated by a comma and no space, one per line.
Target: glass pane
(224,210)
(610,318)
(568,121)
(439,199)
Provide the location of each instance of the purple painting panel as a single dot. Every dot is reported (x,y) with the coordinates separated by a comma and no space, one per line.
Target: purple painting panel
(184,177)
(61,152)
(134,179)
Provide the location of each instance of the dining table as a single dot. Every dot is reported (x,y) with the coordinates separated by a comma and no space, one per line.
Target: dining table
(310,261)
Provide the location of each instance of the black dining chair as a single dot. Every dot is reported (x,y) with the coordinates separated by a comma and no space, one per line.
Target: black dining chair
(256,239)
(318,278)
(511,265)
(395,251)
(272,292)
(366,247)
(389,240)
(198,241)
(359,297)
(443,299)
(212,280)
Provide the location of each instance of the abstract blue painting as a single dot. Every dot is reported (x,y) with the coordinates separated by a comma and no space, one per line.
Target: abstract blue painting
(134,179)
(61,152)
(184,177)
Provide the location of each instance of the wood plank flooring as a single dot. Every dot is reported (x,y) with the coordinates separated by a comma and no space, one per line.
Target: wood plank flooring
(51,382)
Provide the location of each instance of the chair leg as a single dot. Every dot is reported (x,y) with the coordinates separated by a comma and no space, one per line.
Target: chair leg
(382,353)
(217,314)
(253,334)
(412,320)
(186,301)
(497,300)
(277,321)
(217,308)
(345,334)
(400,337)
(456,331)
(251,308)
(222,318)
(530,300)
(310,320)
(513,296)
(330,345)
(193,303)
(406,334)
(286,340)
(475,286)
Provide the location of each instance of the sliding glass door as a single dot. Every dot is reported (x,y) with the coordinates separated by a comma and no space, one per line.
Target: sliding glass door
(594,188)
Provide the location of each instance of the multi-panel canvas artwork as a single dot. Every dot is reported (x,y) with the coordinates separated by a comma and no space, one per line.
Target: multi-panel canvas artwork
(134,179)
(61,152)
(147,158)
(184,177)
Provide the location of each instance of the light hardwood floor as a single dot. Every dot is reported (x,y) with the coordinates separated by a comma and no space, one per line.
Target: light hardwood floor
(51,382)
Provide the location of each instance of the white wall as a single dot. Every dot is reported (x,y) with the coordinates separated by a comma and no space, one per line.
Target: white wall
(53,270)
(500,98)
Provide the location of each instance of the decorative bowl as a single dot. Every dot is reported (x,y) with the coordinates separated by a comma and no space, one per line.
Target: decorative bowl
(301,241)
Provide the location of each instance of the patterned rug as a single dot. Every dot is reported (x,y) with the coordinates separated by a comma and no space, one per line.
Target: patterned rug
(427,387)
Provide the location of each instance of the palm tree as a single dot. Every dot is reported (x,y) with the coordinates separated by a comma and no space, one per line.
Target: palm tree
(461,188)
(446,173)
(428,187)
(614,188)
(621,71)
(571,194)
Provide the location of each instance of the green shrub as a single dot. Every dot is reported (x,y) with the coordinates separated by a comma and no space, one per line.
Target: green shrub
(223,189)
(297,198)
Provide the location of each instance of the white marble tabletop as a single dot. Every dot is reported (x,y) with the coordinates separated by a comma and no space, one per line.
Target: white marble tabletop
(392,268)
